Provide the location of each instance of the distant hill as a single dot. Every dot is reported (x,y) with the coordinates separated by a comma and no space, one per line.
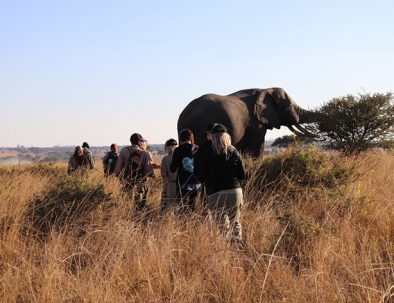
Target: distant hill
(23,155)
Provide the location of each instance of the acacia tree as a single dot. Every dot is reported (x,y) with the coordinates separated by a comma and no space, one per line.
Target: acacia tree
(287,140)
(284,141)
(353,124)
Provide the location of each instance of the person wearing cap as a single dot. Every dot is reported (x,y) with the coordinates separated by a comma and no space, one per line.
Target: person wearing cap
(169,192)
(183,162)
(76,160)
(222,169)
(133,167)
(88,159)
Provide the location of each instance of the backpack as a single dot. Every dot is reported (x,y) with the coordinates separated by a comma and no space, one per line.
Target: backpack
(110,163)
(133,170)
(188,164)
(88,158)
(192,183)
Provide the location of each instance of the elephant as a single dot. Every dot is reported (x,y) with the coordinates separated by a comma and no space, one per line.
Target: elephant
(247,114)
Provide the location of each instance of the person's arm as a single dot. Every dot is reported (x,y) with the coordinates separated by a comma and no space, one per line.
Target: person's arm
(120,164)
(239,167)
(70,165)
(197,157)
(147,164)
(156,166)
(105,158)
(174,162)
(203,167)
(92,161)
(163,169)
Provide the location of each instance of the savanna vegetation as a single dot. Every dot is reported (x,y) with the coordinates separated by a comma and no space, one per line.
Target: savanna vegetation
(318,227)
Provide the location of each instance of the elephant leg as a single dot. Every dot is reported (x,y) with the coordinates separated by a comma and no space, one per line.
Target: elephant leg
(255,141)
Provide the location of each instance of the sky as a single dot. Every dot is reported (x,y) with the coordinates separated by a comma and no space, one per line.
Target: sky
(98,71)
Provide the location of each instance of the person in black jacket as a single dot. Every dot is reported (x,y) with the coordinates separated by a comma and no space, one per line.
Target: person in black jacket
(203,149)
(183,161)
(221,171)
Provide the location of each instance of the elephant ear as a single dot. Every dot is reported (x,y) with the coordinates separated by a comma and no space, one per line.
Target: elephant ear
(266,109)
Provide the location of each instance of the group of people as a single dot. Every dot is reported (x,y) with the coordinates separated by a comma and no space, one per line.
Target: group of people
(214,170)
(81,159)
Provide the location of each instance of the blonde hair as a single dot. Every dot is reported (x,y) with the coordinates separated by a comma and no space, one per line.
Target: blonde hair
(221,144)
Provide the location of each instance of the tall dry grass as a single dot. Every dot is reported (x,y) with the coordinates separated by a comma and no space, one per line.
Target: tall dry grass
(317,228)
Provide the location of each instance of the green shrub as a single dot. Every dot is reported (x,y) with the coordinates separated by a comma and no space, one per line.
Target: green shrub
(299,168)
(67,201)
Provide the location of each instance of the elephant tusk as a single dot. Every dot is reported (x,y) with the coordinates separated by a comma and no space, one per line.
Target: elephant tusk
(304,131)
(296,132)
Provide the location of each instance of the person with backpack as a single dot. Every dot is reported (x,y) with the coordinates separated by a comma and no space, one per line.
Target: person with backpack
(133,167)
(88,159)
(183,162)
(169,192)
(109,160)
(222,170)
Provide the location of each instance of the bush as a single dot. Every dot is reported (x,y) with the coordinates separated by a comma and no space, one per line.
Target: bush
(286,141)
(353,124)
(68,200)
(299,168)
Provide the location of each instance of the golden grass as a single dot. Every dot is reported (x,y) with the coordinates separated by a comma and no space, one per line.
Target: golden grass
(304,245)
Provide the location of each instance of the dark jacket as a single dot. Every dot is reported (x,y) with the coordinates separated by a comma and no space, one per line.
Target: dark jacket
(220,173)
(109,162)
(202,151)
(179,157)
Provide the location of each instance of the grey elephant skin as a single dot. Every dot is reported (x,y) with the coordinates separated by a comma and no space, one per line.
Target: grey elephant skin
(247,114)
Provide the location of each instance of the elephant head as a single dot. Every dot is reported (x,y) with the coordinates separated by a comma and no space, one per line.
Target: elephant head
(274,108)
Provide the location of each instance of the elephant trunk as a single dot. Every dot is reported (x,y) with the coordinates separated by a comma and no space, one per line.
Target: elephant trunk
(307,116)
